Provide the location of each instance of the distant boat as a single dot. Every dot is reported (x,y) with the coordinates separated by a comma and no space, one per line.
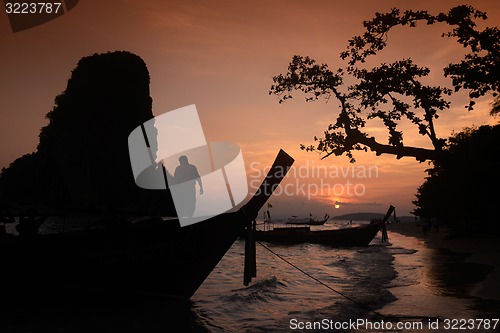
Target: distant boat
(309,221)
(356,236)
(153,256)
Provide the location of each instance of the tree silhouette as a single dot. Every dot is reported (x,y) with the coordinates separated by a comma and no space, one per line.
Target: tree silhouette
(461,186)
(394,92)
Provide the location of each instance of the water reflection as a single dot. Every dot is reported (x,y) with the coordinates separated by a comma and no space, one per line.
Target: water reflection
(434,282)
(450,275)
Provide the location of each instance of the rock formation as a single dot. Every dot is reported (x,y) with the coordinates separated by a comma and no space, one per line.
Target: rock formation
(82,160)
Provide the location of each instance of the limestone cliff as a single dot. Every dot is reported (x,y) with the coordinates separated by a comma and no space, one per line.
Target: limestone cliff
(82,160)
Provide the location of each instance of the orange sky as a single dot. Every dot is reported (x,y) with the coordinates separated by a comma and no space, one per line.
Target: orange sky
(221,55)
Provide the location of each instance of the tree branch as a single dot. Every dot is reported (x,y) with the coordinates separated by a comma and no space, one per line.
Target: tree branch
(420,154)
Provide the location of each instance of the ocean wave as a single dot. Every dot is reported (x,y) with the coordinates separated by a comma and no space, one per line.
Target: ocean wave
(263,291)
(400,250)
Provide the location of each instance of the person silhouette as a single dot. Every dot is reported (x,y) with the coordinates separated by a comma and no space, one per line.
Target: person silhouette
(185,177)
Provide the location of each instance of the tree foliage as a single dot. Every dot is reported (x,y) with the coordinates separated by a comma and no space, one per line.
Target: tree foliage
(394,92)
(461,187)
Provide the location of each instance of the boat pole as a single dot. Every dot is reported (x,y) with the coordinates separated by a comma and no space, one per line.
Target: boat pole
(278,171)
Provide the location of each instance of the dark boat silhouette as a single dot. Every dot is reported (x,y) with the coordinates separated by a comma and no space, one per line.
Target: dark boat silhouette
(309,221)
(82,167)
(152,256)
(356,236)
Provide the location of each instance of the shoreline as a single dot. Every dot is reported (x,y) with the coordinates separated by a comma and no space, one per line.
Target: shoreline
(482,250)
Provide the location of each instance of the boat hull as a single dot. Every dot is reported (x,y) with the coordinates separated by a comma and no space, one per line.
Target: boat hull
(152,257)
(356,236)
(309,222)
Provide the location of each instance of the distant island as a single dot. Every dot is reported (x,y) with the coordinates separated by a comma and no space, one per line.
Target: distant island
(370,216)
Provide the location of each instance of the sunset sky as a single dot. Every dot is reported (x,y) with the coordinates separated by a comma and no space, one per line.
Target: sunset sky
(221,56)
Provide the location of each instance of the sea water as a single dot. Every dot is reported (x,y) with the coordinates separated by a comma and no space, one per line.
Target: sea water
(317,289)
(403,281)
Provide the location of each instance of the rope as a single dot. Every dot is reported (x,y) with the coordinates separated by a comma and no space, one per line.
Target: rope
(362,305)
